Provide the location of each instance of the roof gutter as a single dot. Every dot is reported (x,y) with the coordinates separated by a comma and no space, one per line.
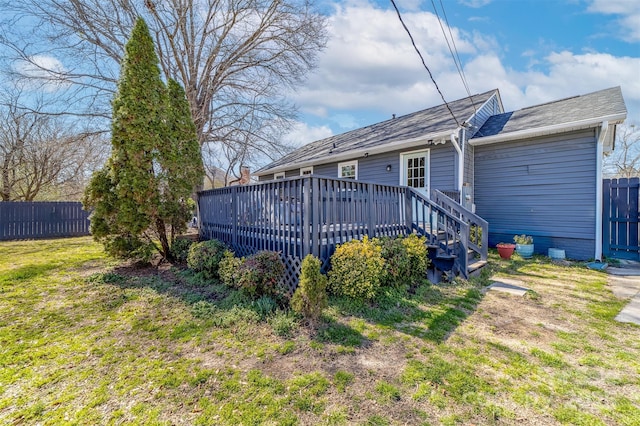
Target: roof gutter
(549,130)
(361,152)
(456,144)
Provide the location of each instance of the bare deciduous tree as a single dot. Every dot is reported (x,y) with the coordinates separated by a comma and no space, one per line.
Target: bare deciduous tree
(236,59)
(44,157)
(624,161)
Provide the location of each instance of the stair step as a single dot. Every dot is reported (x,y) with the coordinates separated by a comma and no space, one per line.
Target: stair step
(475,268)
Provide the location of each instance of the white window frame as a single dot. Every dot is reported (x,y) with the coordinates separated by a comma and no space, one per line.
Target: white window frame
(306,171)
(403,171)
(278,176)
(348,163)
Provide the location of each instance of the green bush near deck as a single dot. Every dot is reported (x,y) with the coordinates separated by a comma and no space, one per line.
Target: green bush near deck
(310,298)
(204,258)
(228,269)
(405,259)
(180,249)
(356,269)
(261,275)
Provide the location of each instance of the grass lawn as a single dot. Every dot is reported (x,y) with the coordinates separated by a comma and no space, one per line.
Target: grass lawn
(85,340)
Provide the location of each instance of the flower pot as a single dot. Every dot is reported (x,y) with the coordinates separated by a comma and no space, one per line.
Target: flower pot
(524,250)
(505,250)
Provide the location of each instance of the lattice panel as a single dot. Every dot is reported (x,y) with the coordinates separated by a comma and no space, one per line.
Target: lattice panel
(293,266)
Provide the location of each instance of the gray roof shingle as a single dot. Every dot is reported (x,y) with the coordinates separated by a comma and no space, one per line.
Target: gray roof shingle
(426,122)
(603,103)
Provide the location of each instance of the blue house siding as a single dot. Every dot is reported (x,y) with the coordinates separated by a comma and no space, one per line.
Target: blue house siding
(491,107)
(443,167)
(544,187)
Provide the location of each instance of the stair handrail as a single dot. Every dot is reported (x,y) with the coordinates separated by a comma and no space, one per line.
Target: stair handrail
(477,243)
(457,238)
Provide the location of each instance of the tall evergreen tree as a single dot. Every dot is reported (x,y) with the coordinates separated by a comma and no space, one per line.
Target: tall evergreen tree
(143,194)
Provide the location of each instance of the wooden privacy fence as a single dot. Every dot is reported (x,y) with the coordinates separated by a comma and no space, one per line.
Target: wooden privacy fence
(312,215)
(42,219)
(621,216)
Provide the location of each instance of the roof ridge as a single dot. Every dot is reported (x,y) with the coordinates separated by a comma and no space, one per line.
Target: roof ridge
(567,98)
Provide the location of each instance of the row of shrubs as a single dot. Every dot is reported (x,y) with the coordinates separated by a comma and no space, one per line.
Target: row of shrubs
(359,269)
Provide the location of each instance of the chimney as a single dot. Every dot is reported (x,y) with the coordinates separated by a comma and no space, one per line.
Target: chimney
(245,175)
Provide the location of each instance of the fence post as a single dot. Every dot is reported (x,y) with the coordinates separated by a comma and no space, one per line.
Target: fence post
(408,212)
(234,216)
(306,217)
(606,217)
(371,211)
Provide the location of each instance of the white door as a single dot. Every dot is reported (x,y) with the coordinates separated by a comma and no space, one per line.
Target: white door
(415,171)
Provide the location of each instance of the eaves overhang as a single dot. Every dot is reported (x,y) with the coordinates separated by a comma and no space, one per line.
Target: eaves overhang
(548,130)
(428,139)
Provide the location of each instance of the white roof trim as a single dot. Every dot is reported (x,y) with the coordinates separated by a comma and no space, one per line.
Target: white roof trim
(356,153)
(549,130)
(496,94)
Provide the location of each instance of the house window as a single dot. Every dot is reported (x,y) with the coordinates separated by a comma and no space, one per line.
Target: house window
(306,171)
(278,176)
(416,172)
(348,169)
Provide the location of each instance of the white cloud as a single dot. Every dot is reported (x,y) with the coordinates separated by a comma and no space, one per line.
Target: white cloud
(566,74)
(42,71)
(370,69)
(612,6)
(475,3)
(302,133)
(629,21)
(412,5)
(370,62)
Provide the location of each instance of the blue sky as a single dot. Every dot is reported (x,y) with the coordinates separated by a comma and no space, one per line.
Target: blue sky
(533,51)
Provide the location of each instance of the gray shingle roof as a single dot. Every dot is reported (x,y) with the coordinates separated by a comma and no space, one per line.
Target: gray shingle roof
(422,123)
(603,103)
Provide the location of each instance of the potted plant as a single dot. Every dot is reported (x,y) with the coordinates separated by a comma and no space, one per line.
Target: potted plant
(505,250)
(524,245)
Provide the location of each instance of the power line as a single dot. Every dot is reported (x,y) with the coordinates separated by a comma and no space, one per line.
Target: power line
(423,62)
(456,57)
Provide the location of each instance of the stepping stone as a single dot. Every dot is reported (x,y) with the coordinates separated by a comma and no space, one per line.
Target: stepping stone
(631,312)
(507,285)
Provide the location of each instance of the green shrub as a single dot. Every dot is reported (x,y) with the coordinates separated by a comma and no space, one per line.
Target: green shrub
(261,274)
(228,268)
(417,254)
(396,262)
(129,247)
(204,257)
(310,298)
(180,249)
(405,258)
(356,269)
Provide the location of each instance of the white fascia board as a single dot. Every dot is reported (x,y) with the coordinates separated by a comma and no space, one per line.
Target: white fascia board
(360,152)
(549,130)
(604,132)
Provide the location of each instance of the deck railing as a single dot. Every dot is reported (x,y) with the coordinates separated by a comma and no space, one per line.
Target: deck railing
(312,215)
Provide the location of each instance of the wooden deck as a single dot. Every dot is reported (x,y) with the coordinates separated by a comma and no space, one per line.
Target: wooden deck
(310,214)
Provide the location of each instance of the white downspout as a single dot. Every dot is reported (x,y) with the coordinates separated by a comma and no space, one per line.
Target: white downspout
(456,145)
(604,129)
